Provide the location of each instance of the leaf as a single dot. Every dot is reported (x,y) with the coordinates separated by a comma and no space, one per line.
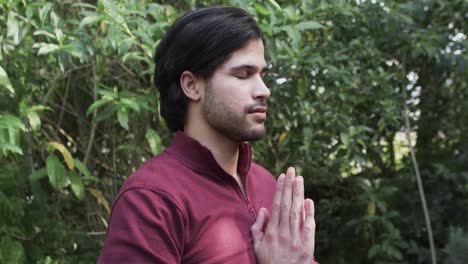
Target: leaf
(56,172)
(12,26)
(45,11)
(133,55)
(90,20)
(34,121)
(101,200)
(39,174)
(13,136)
(96,105)
(276,5)
(59,34)
(47,48)
(44,33)
(11,249)
(122,116)
(103,25)
(301,90)
(10,121)
(371,208)
(130,103)
(82,168)
(345,139)
(39,108)
(373,251)
(110,94)
(294,33)
(11,147)
(77,185)
(5,81)
(84,5)
(65,153)
(154,141)
(282,137)
(261,9)
(105,114)
(309,25)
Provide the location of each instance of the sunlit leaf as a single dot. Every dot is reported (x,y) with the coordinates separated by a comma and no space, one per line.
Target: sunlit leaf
(34,121)
(11,147)
(90,20)
(154,141)
(47,48)
(130,103)
(122,116)
(261,9)
(282,137)
(101,200)
(44,11)
(308,25)
(5,81)
(65,153)
(10,121)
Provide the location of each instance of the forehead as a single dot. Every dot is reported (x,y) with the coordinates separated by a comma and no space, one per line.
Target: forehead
(252,54)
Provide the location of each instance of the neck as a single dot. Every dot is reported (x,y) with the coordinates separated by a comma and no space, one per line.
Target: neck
(225,150)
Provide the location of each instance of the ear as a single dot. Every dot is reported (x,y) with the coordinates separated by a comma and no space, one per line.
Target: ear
(190,85)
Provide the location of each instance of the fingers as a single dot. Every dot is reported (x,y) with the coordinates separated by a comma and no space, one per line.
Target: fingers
(276,207)
(308,232)
(257,228)
(286,202)
(297,207)
(267,220)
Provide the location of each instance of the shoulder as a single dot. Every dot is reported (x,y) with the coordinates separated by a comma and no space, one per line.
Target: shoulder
(162,175)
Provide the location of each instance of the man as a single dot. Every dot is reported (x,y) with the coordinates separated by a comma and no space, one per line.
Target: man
(202,200)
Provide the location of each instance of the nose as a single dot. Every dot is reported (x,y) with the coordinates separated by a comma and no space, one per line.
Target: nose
(261,91)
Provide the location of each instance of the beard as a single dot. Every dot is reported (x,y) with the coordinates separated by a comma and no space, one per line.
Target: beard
(227,122)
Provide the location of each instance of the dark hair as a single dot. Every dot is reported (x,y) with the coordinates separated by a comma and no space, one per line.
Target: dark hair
(198,42)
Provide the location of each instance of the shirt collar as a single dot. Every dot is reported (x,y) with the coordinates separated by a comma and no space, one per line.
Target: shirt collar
(200,159)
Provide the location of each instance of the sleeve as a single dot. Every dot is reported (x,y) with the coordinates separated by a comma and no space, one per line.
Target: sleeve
(145,227)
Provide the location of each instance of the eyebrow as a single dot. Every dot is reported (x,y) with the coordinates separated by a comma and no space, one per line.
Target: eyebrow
(248,67)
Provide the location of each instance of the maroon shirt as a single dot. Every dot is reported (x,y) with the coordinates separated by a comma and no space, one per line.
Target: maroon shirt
(181,206)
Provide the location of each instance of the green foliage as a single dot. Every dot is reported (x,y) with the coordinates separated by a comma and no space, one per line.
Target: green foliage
(78,114)
(456,246)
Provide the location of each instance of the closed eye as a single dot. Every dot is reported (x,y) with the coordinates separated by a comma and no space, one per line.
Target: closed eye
(246,71)
(243,75)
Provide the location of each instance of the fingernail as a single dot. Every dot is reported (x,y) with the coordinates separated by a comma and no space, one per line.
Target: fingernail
(298,183)
(281,178)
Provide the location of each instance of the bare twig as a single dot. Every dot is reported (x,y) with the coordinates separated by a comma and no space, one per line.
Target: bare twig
(420,186)
(93,125)
(64,100)
(57,77)
(96,233)
(114,163)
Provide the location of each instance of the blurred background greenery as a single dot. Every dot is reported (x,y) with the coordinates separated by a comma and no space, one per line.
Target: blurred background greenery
(78,114)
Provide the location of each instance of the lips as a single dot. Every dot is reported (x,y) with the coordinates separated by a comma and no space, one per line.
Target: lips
(258,109)
(259,112)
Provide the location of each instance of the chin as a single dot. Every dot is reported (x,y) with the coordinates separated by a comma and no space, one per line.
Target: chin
(256,134)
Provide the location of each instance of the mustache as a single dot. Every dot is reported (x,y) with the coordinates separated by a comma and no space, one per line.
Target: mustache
(252,107)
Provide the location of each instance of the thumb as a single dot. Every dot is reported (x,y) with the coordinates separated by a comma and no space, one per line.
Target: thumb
(257,228)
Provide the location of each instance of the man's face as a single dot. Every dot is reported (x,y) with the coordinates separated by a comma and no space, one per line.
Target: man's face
(235,96)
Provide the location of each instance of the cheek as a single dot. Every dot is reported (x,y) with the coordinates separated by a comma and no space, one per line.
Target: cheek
(239,89)
(231,92)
